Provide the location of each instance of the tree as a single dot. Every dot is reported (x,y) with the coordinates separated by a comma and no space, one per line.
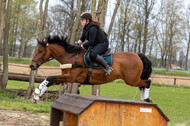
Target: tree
(113,17)
(187,22)
(76,25)
(5,47)
(43,17)
(147,6)
(2,13)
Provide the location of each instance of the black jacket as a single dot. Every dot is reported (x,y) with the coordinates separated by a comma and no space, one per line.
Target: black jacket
(94,34)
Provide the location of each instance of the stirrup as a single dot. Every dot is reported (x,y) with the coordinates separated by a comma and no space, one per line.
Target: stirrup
(108,71)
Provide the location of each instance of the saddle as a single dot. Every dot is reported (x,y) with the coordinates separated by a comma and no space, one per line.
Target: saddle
(90,63)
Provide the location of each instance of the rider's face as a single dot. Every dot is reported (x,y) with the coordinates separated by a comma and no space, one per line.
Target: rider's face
(83,22)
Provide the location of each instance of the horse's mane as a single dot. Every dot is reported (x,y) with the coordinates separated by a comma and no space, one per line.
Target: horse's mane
(63,41)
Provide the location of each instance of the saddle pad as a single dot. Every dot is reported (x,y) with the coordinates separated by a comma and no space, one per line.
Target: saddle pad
(108,59)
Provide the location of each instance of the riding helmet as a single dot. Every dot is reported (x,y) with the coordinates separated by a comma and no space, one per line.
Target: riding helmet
(86,15)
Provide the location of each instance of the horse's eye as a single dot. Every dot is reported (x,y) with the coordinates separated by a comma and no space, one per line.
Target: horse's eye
(39,51)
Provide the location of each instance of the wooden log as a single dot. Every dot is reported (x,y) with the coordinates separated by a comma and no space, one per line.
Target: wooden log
(24,77)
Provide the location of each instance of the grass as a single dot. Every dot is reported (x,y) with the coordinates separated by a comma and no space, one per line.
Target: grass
(174,101)
(171,73)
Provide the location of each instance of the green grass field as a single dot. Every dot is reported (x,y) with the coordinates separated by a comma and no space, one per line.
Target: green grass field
(174,101)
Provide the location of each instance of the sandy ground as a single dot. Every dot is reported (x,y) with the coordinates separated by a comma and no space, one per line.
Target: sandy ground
(22,118)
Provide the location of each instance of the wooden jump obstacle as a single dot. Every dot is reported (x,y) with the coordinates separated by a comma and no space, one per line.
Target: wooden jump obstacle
(85,110)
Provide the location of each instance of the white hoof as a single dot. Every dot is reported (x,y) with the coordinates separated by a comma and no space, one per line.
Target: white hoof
(36,97)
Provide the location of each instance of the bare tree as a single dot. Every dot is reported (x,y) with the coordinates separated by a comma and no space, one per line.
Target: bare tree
(2,13)
(5,46)
(113,17)
(76,25)
(43,17)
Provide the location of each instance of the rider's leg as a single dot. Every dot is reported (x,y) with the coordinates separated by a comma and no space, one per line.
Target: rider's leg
(95,55)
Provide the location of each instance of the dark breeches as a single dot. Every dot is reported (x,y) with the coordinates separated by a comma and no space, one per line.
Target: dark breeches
(98,49)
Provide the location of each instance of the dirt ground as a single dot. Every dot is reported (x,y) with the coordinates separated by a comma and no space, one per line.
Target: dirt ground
(22,118)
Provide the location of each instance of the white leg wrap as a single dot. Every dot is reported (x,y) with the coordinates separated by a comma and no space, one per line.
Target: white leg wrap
(43,84)
(43,90)
(142,94)
(146,93)
(40,89)
(37,91)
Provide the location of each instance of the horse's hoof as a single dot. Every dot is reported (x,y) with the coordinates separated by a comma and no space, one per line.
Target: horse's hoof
(148,100)
(36,97)
(34,101)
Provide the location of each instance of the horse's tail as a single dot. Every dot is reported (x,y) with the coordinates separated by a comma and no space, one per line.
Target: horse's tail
(147,69)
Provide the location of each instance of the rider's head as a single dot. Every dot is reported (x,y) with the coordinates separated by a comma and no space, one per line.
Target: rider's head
(85,18)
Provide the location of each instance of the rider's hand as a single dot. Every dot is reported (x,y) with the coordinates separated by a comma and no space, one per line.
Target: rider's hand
(79,42)
(82,46)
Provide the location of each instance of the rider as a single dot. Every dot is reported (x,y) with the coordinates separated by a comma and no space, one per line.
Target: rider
(97,39)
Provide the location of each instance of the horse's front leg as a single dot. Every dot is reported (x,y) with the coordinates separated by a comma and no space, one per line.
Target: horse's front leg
(39,91)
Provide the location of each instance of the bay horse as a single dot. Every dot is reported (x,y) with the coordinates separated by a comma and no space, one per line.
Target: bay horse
(133,68)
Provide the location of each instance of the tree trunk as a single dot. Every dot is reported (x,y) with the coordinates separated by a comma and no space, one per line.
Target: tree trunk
(5,45)
(113,18)
(145,27)
(76,25)
(93,8)
(43,17)
(187,54)
(2,12)
(101,12)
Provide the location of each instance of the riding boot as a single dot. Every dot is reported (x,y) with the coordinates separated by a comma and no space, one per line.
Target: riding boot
(103,63)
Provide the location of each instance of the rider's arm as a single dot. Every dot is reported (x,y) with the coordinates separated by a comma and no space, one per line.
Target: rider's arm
(82,38)
(92,36)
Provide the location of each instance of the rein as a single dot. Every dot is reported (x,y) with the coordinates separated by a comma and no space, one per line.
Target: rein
(42,59)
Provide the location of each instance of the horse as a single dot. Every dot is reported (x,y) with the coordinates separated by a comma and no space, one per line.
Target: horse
(133,68)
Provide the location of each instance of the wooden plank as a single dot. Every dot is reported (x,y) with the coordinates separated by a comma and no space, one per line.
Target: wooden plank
(70,119)
(118,114)
(55,117)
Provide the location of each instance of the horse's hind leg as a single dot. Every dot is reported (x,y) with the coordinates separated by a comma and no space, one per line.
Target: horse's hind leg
(145,90)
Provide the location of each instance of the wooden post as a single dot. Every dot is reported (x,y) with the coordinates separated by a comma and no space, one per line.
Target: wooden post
(74,89)
(31,84)
(175,81)
(69,88)
(96,90)
(60,87)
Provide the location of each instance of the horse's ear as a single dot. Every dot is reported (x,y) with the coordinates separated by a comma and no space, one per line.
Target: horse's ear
(46,40)
(38,40)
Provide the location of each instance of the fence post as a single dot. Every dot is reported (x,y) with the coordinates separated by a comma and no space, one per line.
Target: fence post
(31,84)
(75,87)
(175,81)
(96,90)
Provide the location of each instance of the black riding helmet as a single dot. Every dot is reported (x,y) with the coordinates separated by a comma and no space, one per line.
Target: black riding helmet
(86,15)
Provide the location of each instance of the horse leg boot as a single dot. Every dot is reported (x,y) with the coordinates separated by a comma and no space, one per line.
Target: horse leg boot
(40,89)
(142,92)
(104,64)
(146,91)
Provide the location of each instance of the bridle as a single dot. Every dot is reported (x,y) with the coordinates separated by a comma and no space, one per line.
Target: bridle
(41,60)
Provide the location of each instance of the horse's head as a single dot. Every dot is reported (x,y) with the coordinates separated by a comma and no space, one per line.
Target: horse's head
(41,56)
